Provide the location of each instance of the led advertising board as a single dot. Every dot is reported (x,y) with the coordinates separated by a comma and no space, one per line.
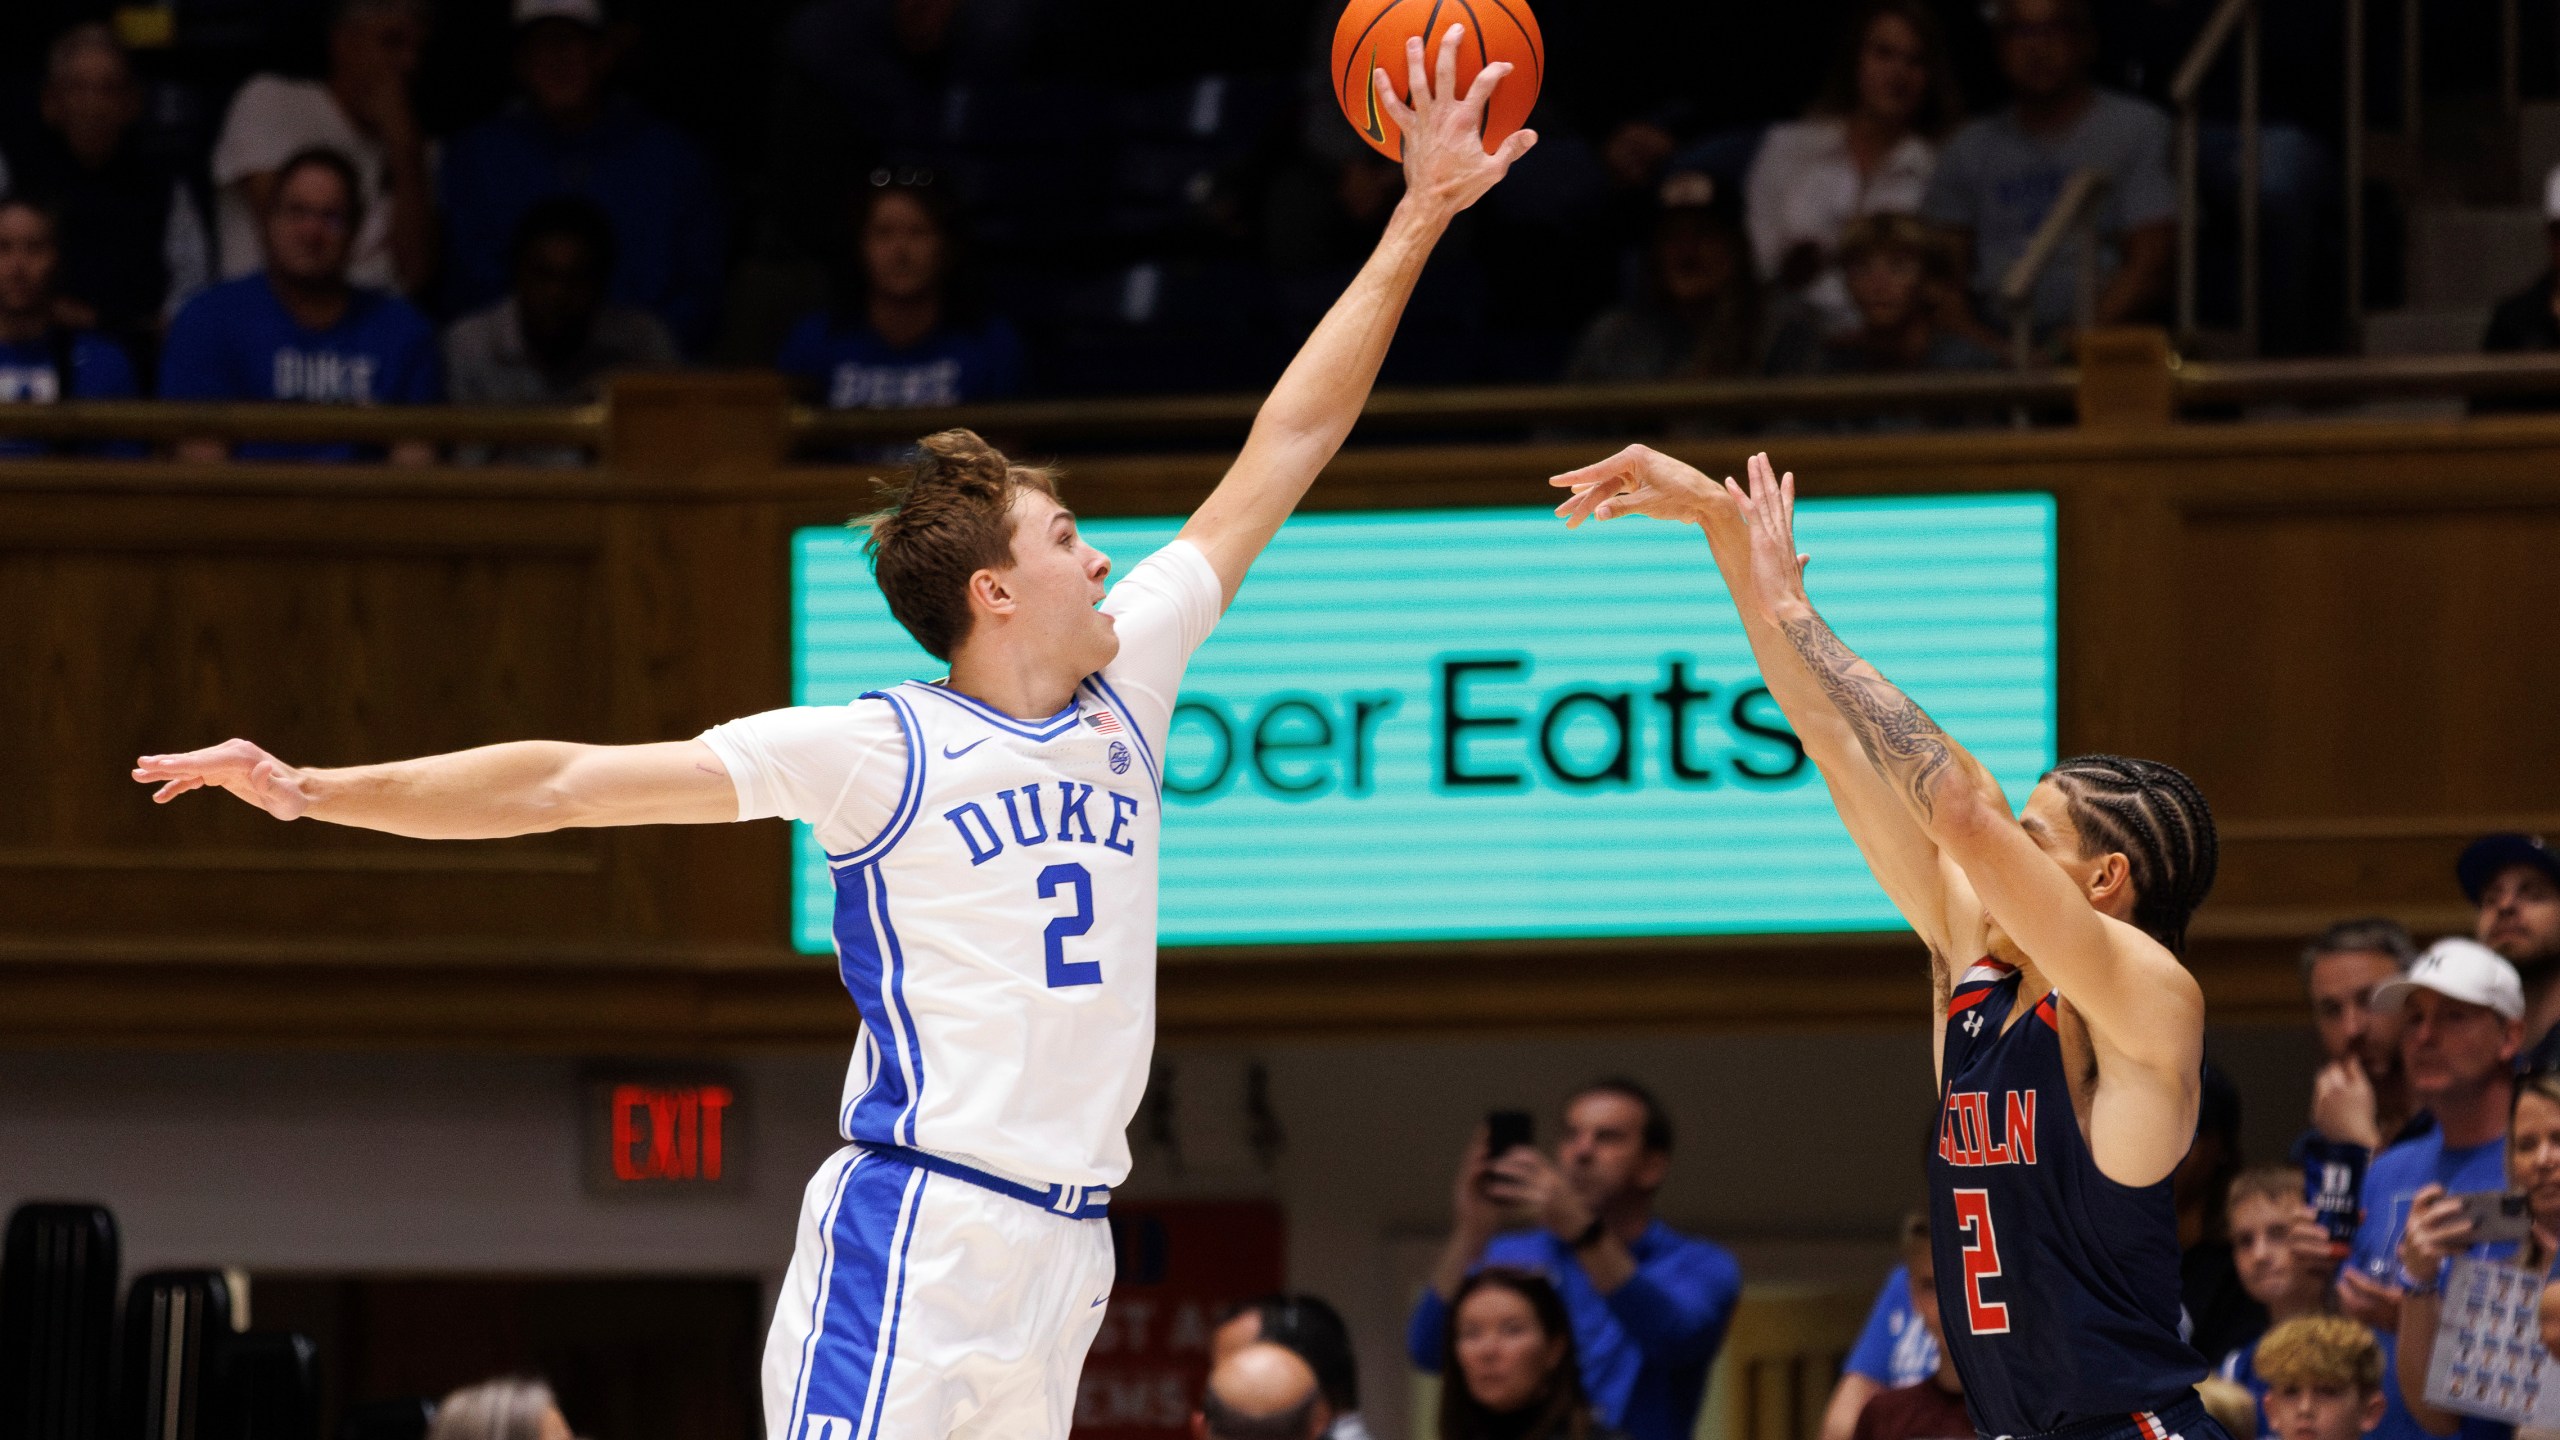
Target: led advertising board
(1475,724)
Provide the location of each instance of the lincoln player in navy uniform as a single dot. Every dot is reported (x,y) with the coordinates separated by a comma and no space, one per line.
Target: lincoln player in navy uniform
(2069,1036)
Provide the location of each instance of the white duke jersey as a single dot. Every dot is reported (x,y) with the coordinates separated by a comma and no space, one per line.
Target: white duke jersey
(996,891)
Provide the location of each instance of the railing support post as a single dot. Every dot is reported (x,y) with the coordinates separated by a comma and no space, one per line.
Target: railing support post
(2127,378)
(694,431)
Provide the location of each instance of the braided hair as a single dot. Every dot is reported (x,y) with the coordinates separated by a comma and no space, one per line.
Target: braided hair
(2156,817)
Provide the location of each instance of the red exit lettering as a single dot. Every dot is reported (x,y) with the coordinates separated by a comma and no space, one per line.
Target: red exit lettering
(668,1133)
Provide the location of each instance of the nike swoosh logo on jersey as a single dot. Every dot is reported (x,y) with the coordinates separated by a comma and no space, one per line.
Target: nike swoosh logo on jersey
(950,754)
(1103,1301)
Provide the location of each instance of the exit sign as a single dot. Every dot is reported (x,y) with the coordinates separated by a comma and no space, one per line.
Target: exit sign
(657,1131)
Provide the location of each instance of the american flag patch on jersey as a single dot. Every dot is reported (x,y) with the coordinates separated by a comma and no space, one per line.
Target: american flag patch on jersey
(1103,721)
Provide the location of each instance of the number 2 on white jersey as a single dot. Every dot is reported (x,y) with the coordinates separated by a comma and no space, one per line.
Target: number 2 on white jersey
(1053,941)
(1981,1262)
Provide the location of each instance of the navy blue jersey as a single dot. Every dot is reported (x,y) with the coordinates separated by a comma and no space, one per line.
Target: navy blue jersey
(2057,1287)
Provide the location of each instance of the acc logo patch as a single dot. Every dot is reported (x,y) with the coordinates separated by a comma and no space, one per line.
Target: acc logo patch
(1119,758)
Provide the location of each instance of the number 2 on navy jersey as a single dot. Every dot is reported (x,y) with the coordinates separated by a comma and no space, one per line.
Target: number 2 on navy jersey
(1981,1262)
(1063,971)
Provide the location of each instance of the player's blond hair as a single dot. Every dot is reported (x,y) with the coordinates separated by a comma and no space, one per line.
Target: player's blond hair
(2324,1352)
(2265,1182)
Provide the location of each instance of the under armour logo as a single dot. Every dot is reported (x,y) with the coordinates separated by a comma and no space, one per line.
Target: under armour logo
(1973,1023)
(826,1427)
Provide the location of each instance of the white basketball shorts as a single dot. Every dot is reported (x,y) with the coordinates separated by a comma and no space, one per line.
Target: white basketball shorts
(924,1306)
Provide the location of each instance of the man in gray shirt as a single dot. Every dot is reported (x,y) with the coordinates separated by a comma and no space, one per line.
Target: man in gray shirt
(2000,175)
(554,338)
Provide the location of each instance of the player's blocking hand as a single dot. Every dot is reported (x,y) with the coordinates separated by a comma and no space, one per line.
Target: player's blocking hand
(234,765)
(1445,164)
(1639,480)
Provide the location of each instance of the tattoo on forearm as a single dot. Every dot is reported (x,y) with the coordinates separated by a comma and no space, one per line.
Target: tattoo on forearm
(1902,742)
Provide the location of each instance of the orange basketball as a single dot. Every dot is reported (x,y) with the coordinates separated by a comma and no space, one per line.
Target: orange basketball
(1371,37)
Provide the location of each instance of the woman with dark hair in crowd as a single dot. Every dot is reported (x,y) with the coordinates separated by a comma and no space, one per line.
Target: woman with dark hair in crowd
(1867,148)
(1509,1368)
(2439,1229)
(902,332)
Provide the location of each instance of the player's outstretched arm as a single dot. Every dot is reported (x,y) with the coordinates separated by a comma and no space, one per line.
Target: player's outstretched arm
(523,788)
(1642,481)
(2141,1006)
(1311,410)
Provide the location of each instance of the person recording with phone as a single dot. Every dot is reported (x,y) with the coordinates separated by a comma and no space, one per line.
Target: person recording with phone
(1648,1304)
(2519,1227)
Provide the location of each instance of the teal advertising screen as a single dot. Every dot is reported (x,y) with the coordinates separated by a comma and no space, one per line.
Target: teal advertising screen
(1472,725)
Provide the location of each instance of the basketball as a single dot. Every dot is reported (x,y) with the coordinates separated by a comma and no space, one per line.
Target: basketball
(1371,36)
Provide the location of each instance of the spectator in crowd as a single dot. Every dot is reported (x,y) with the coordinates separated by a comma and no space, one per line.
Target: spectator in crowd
(1931,1407)
(2439,1229)
(2529,319)
(2324,1379)
(2220,1314)
(901,334)
(1696,313)
(1910,308)
(1312,1328)
(2361,1096)
(2514,882)
(300,330)
(1261,1392)
(2000,175)
(362,111)
(2231,1406)
(2462,1012)
(133,239)
(1508,1365)
(2284,1259)
(569,133)
(1867,149)
(1894,1349)
(554,339)
(43,360)
(1648,1304)
(2141,46)
(515,1408)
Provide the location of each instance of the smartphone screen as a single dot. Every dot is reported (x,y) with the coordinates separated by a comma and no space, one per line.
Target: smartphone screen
(1506,1130)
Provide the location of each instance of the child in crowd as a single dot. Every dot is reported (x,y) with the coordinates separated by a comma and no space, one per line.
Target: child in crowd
(2323,1379)
(2284,1259)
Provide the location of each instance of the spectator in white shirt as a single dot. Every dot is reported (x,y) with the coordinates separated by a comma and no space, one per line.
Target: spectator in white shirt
(1867,148)
(363,111)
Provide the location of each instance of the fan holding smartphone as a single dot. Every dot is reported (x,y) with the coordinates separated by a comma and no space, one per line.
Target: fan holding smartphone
(1648,1304)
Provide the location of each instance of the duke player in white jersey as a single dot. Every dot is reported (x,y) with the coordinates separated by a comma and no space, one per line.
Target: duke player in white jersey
(994,842)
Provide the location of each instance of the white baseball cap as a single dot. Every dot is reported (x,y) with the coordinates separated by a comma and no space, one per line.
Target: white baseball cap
(584,12)
(2463,970)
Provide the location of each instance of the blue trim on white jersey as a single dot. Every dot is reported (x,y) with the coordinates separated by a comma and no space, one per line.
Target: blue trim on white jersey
(1146,752)
(910,787)
(862,1297)
(1075,1202)
(1049,729)
(818,1301)
(874,968)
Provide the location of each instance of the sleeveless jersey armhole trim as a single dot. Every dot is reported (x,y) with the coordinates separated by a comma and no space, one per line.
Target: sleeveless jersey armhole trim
(910,792)
(1102,691)
(1049,729)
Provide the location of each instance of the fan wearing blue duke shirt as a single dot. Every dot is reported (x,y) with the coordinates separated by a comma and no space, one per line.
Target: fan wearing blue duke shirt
(2069,1037)
(993,836)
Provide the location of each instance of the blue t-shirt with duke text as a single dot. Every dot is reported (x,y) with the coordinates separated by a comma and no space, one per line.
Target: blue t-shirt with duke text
(852,368)
(1895,1349)
(30,374)
(236,341)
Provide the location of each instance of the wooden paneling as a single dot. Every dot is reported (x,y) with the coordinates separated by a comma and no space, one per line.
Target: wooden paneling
(2338,628)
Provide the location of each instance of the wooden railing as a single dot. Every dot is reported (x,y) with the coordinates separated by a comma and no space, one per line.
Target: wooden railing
(2338,627)
(2127,377)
